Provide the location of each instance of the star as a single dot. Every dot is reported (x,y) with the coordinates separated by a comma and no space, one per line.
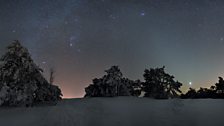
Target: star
(142,13)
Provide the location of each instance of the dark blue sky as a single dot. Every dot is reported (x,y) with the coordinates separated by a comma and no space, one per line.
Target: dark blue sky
(82,38)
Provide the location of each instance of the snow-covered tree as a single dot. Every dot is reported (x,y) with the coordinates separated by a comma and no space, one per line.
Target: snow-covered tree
(112,84)
(21,80)
(159,84)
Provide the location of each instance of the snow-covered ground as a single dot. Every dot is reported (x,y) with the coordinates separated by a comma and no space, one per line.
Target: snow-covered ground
(120,111)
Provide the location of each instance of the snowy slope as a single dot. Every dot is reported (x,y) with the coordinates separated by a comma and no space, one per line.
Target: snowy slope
(121,111)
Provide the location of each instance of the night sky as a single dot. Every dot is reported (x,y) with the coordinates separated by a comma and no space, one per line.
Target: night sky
(82,38)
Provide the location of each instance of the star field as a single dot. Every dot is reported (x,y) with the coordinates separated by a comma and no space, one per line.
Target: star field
(82,38)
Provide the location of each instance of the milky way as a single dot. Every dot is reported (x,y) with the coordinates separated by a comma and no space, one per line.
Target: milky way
(82,38)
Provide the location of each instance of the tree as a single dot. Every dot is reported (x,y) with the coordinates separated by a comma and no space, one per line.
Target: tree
(21,80)
(52,71)
(201,93)
(112,84)
(136,88)
(191,93)
(220,87)
(159,84)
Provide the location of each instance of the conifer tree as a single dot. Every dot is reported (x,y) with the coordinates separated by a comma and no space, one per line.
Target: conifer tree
(21,80)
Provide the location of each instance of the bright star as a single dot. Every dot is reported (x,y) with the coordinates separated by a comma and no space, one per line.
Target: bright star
(142,13)
(190,83)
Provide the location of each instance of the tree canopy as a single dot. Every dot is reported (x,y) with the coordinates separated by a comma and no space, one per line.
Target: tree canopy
(21,80)
(216,91)
(113,84)
(159,84)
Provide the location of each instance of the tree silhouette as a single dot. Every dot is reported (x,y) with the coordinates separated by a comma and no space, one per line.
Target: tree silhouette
(191,93)
(52,71)
(112,84)
(201,93)
(220,88)
(21,80)
(135,88)
(159,84)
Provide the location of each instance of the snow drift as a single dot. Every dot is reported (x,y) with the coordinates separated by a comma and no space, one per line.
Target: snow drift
(119,111)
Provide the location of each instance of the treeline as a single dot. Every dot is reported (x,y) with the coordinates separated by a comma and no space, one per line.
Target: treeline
(157,84)
(22,83)
(215,91)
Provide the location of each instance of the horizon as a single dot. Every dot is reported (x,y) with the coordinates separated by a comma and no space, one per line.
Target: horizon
(82,96)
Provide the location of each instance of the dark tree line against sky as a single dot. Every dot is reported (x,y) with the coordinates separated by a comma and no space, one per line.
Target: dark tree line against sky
(158,84)
(22,83)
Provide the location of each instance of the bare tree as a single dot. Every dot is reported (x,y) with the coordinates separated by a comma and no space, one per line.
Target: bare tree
(52,71)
